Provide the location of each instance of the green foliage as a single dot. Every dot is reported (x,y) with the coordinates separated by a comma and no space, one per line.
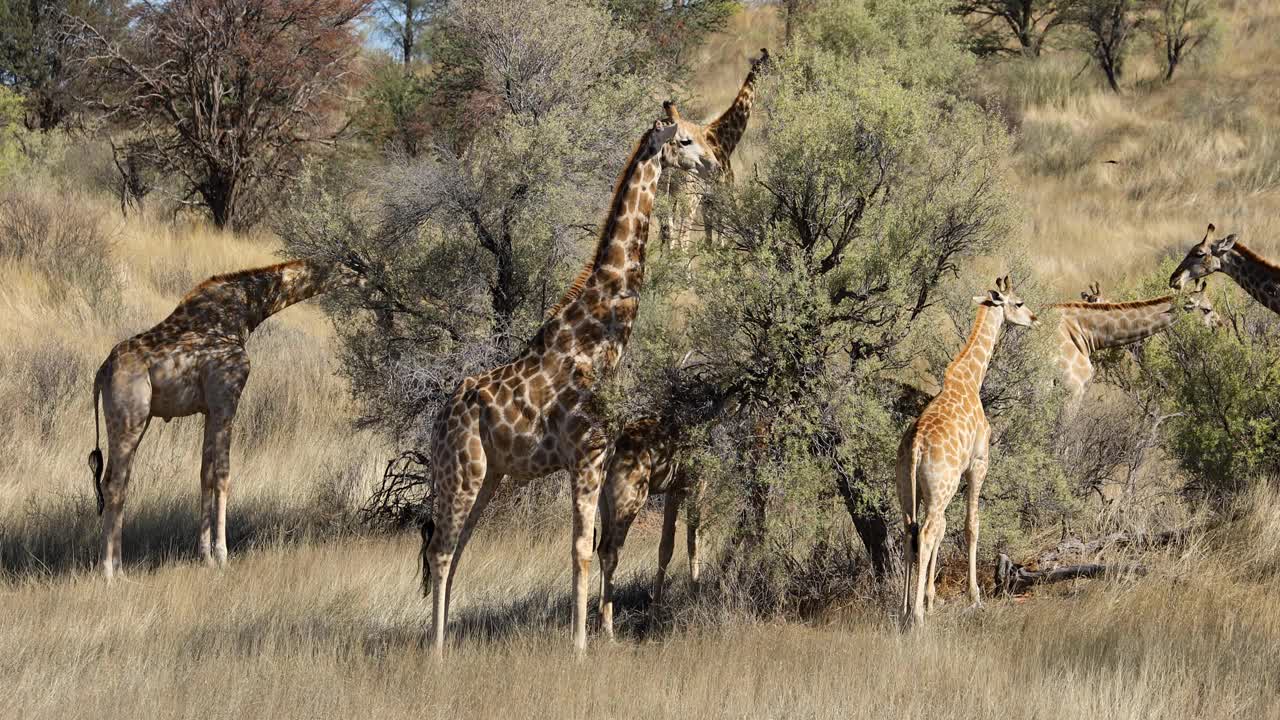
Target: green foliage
(1222,384)
(879,186)
(393,115)
(11,131)
(1179,28)
(672,30)
(536,106)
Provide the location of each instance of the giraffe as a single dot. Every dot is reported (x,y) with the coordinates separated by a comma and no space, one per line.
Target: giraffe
(1258,276)
(1086,327)
(1092,294)
(644,462)
(950,439)
(193,361)
(538,413)
(722,136)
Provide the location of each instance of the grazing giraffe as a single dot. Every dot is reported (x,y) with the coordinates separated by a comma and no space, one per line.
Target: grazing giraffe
(194,361)
(951,439)
(645,462)
(1086,327)
(1258,276)
(722,136)
(538,414)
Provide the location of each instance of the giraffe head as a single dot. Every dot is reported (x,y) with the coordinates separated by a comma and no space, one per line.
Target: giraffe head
(1093,294)
(1198,303)
(1003,298)
(1205,258)
(686,145)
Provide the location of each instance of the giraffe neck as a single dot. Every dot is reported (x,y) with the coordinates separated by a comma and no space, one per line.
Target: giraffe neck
(595,317)
(235,304)
(1255,274)
(1108,325)
(970,364)
(726,131)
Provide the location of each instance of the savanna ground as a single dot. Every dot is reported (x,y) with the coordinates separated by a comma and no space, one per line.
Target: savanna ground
(312,619)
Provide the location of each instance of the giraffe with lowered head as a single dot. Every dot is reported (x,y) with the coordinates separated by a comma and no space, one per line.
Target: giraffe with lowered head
(194,361)
(1258,276)
(1086,327)
(950,440)
(722,136)
(538,414)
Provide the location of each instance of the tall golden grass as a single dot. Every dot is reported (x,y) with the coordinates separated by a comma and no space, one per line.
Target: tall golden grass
(311,622)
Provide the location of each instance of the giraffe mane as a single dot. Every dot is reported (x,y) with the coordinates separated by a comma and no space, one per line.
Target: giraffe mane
(1255,258)
(238,275)
(579,283)
(1104,306)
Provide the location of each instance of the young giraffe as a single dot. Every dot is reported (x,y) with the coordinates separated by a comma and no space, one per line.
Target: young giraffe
(536,414)
(645,462)
(1093,294)
(950,439)
(722,136)
(1086,327)
(194,361)
(1258,276)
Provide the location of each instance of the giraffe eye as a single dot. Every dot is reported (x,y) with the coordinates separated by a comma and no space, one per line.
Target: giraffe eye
(686,141)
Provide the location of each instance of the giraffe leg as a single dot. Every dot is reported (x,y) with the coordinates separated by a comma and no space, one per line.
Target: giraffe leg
(932,573)
(458,478)
(692,202)
(665,547)
(693,524)
(586,493)
(215,473)
(974,477)
(126,402)
(929,537)
(481,500)
(620,502)
(908,562)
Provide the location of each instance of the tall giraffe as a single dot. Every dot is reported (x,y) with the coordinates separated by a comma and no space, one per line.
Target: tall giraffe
(1258,276)
(537,414)
(1086,327)
(950,439)
(645,462)
(194,361)
(722,136)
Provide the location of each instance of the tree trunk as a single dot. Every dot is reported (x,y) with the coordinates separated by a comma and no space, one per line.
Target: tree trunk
(1011,578)
(219,192)
(872,524)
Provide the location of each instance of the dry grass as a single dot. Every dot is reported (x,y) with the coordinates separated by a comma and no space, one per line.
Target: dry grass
(311,622)
(333,630)
(1198,150)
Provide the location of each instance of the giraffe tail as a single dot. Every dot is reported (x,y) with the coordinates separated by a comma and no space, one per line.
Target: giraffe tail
(914,527)
(95,457)
(428,529)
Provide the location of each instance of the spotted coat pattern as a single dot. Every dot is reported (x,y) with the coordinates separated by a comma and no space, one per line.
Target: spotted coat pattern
(537,413)
(193,361)
(645,462)
(950,440)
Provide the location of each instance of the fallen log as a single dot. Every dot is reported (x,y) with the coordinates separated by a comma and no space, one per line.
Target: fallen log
(1012,578)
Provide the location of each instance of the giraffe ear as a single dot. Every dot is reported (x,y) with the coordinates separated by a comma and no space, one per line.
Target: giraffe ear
(1224,244)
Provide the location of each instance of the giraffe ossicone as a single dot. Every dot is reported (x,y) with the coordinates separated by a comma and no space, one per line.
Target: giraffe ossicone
(949,441)
(536,414)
